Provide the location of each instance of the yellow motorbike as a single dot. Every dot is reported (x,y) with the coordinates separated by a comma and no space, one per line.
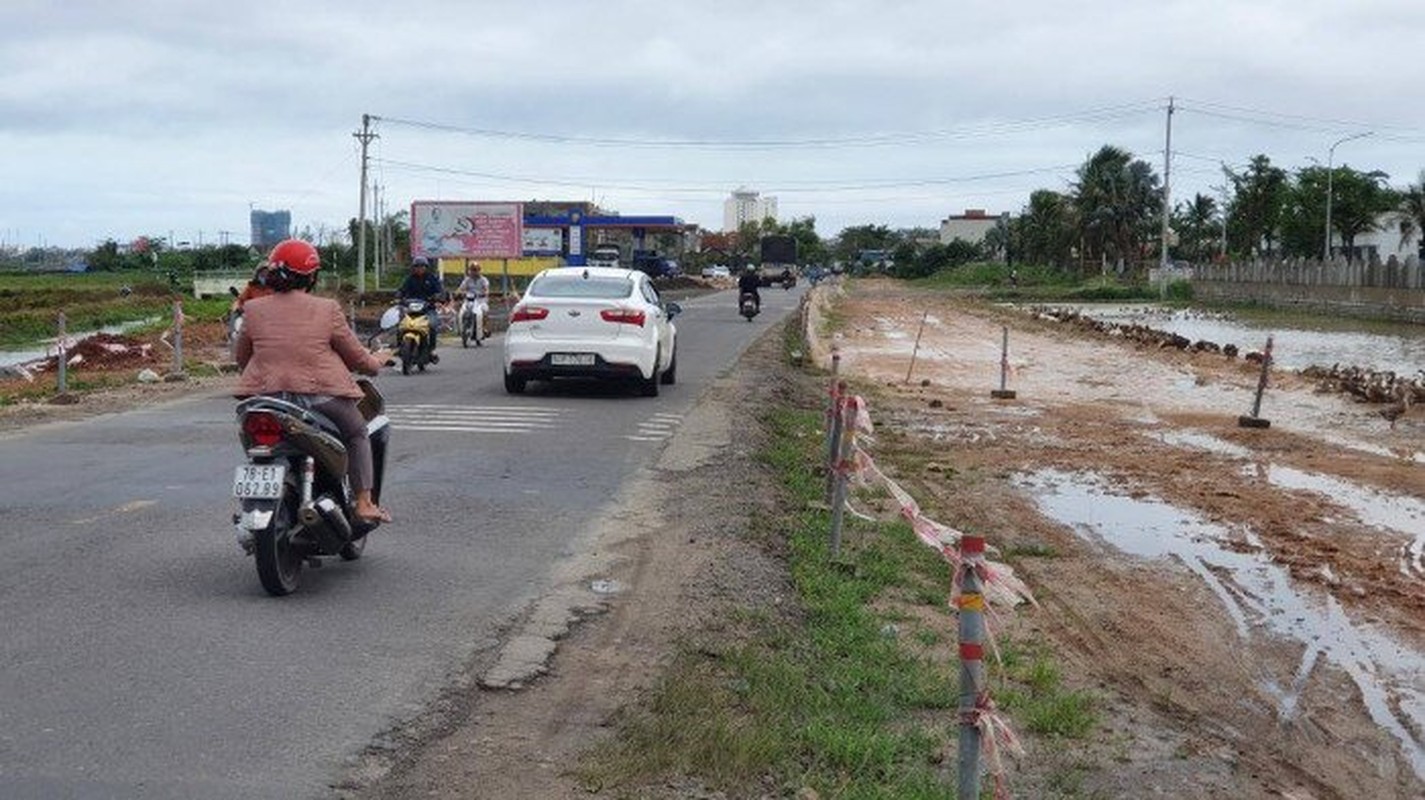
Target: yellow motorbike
(414,339)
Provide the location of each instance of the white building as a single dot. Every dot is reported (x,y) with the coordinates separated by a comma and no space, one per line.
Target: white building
(745,205)
(1383,242)
(970,226)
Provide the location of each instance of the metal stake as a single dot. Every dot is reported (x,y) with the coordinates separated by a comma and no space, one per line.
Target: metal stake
(916,349)
(1253,420)
(1002,393)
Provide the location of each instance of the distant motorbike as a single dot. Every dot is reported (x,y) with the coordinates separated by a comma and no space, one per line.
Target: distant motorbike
(233,323)
(295,504)
(471,320)
(414,340)
(747,305)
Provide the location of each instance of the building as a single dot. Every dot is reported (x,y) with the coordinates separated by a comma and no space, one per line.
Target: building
(970,226)
(269,228)
(745,205)
(1385,241)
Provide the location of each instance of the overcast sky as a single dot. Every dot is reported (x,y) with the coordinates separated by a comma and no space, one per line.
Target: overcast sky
(127,117)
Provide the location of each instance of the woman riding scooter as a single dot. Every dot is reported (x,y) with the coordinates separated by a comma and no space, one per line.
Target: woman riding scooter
(297,345)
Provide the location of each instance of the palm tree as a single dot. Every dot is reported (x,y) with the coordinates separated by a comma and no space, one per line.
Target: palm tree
(1117,199)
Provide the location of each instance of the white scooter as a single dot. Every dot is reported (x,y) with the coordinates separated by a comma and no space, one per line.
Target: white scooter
(471,320)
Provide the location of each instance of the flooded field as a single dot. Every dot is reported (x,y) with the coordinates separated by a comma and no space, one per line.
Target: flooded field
(1257,594)
(1300,341)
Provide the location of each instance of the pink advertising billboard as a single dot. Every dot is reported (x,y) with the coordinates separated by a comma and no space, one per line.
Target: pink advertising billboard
(459,229)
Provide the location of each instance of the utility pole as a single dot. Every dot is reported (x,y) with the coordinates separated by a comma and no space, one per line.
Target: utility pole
(1222,192)
(364,136)
(1167,187)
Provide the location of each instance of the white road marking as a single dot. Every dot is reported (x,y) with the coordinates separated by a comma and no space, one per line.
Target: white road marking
(473,419)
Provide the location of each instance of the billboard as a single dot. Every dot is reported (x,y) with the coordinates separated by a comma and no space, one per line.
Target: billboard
(543,240)
(459,229)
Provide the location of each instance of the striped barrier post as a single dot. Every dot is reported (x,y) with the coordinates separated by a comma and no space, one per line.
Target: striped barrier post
(833,422)
(177,337)
(972,668)
(847,407)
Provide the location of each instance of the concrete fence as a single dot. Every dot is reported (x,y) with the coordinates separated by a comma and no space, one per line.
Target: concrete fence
(1391,289)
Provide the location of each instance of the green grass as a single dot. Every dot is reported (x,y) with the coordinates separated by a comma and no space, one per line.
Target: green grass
(31,303)
(823,695)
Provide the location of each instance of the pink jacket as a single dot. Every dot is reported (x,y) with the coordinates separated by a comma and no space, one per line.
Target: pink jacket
(297,342)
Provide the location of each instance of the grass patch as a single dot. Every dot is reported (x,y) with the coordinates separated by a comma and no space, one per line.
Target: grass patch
(849,692)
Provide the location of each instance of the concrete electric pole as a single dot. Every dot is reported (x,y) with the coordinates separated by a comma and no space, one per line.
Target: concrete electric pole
(364,136)
(1163,260)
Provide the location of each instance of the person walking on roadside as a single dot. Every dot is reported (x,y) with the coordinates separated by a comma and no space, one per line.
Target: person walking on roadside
(298,346)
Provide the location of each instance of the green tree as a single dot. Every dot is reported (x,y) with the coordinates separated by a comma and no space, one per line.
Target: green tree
(1048,230)
(1303,218)
(1117,200)
(106,257)
(1358,200)
(851,241)
(1197,225)
(1410,212)
(1255,212)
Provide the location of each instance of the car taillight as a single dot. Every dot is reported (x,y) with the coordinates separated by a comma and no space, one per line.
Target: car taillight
(529,314)
(626,316)
(262,428)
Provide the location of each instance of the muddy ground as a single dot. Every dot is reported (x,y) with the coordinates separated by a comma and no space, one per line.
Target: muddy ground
(1264,642)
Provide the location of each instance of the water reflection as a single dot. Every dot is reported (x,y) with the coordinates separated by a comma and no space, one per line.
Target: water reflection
(1257,593)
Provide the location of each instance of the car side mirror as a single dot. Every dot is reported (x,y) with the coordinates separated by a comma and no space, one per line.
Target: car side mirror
(673,310)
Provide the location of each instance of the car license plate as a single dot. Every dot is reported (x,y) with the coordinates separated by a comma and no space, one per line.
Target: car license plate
(571,359)
(258,481)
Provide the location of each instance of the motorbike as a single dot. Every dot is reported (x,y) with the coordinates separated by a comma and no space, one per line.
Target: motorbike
(295,503)
(414,338)
(472,320)
(747,305)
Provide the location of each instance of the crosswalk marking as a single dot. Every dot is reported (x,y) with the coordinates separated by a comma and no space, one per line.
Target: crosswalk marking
(473,419)
(657,428)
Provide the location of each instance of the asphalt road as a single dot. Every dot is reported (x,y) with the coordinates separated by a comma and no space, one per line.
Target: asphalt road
(140,658)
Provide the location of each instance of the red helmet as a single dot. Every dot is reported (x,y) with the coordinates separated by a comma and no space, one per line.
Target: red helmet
(297,256)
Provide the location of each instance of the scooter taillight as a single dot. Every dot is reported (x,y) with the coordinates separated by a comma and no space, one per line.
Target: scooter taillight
(262,428)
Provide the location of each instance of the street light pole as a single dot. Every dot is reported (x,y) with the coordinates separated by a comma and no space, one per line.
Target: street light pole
(1330,170)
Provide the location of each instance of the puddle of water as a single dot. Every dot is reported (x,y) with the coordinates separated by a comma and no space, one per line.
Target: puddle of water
(606,586)
(1295,348)
(1258,594)
(1391,512)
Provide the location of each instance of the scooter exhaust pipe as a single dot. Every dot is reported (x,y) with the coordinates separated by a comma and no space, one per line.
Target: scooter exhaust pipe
(332,515)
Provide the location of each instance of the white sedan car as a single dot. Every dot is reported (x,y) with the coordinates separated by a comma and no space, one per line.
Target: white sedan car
(592,322)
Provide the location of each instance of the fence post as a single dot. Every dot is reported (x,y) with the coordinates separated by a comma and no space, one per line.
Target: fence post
(63,358)
(845,451)
(972,667)
(1003,393)
(177,336)
(833,422)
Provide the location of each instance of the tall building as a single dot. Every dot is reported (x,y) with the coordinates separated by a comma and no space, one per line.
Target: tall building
(745,205)
(269,228)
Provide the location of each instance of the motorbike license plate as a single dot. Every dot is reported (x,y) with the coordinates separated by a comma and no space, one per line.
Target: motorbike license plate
(258,481)
(571,359)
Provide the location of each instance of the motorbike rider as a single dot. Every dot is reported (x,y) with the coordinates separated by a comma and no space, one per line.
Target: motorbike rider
(422,284)
(477,287)
(256,287)
(297,346)
(748,283)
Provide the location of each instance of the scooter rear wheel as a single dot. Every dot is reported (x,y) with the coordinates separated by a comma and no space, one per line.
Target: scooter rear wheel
(279,564)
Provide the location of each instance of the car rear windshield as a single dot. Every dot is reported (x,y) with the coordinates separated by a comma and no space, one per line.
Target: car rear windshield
(576,285)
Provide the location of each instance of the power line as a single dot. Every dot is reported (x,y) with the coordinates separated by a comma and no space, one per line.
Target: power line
(982,130)
(720,187)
